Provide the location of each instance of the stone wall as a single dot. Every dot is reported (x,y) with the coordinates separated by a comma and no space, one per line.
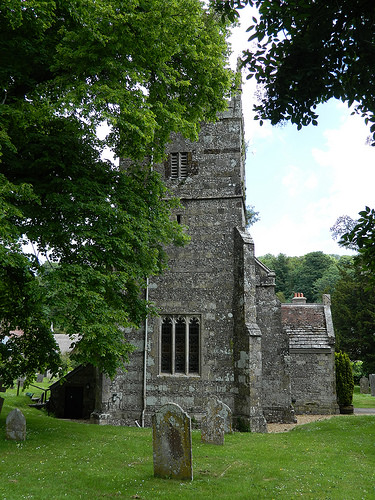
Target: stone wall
(247,350)
(311,342)
(276,382)
(216,281)
(213,278)
(199,282)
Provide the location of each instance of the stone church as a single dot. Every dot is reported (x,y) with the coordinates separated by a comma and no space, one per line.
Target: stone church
(220,330)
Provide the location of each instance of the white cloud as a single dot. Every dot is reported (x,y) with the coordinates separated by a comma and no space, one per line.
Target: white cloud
(296,234)
(291,181)
(311,182)
(298,180)
(351,164)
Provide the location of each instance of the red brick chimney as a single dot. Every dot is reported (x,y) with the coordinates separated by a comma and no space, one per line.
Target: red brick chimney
(299,299)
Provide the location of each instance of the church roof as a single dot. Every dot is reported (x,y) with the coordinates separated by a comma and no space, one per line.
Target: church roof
(306,326)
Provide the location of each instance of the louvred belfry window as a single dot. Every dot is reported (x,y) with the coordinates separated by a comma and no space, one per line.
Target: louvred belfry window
(179,165)
(180,345)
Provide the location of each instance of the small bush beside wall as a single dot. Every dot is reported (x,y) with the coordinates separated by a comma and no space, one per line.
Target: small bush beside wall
(344,379)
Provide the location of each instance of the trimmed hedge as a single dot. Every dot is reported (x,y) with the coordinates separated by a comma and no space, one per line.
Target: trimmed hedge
(344,379)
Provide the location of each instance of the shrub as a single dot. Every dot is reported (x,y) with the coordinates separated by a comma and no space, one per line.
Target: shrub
(358,371)
(344,379)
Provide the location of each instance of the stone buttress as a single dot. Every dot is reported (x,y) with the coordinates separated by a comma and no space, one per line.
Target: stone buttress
(209,339)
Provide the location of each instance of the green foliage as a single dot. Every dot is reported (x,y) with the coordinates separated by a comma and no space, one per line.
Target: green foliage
(251,216)
(358,373)
(305,52)
(361,236)
(79,460)
(144,68)
(281,297)
(68,363)
(282,267)
(353,313)
(344,379)
(312,274)
(311,268)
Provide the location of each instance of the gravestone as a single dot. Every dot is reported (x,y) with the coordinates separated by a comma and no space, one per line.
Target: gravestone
(364,385)
(2,389)
(213,424)
(16,425)
(171,436)
(372,384)
(20,382)
(226,413)
(40,377)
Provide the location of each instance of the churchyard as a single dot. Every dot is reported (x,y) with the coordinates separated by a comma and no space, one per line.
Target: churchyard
(330,459)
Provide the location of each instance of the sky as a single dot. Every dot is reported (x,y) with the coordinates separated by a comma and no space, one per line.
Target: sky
(300,182)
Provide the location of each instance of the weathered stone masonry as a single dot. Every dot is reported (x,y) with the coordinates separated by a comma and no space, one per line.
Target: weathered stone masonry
(216,279)
(312,351)
(220,330)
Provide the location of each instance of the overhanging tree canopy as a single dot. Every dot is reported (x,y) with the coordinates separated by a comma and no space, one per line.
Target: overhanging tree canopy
(305,52)
(147,68)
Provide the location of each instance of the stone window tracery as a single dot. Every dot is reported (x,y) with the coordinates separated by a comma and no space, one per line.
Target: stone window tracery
(180,345)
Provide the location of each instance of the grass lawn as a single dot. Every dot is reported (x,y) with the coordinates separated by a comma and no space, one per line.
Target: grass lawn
(331,459)
(362,400)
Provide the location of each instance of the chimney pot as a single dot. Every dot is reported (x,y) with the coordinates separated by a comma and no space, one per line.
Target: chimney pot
(299,298)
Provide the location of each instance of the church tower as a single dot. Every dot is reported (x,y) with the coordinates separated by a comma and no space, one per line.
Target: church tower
(207,340)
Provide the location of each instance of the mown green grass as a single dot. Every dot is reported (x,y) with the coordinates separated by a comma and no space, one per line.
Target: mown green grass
(362,400)
(331,459)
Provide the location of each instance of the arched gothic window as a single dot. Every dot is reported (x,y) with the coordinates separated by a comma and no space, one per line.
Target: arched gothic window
(180,345)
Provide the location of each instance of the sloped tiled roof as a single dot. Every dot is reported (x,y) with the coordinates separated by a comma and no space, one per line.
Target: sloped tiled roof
(306,326)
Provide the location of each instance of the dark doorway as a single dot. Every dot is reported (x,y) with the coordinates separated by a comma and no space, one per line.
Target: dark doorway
(73,402)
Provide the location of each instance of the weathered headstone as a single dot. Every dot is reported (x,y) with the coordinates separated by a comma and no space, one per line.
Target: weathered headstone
(212,429)
(364,385)
(372,383)
(213,424)
(172,449)
(226,413)
(20,382)
(16,425)
(2,389)
(40,377)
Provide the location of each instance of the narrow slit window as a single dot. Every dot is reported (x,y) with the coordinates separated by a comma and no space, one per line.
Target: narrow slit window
(194,345)
(180,345)
(166,343)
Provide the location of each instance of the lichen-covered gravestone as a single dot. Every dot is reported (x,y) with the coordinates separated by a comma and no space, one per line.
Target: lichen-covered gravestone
(372,384)
(172,449)
(226,413)
(213,424)
(364,385)
(16,425)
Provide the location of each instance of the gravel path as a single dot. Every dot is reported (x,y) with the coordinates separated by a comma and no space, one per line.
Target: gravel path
(306,419)
(301,419)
